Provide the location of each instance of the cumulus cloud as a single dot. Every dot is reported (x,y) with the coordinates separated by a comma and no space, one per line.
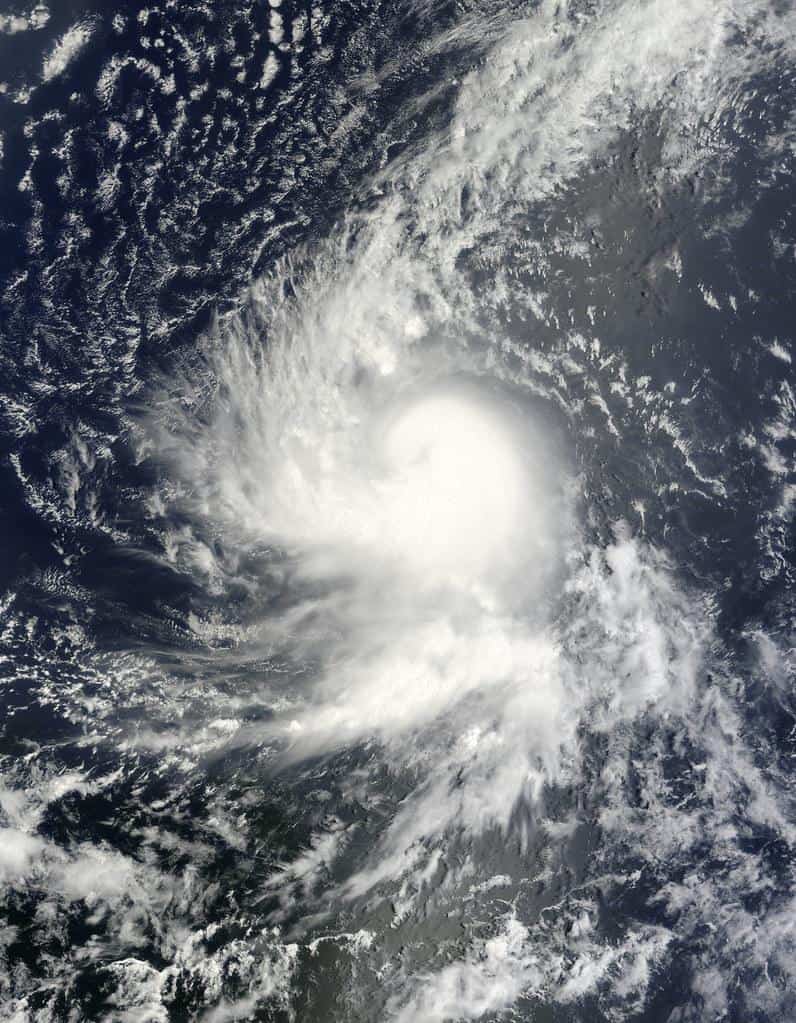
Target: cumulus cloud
(35,19)
(18,853)
(487,982)
(68,47)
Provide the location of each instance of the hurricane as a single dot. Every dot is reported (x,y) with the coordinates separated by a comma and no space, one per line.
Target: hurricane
(397,428)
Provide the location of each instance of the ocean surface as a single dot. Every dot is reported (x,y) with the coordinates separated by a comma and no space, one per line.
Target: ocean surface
(398,476)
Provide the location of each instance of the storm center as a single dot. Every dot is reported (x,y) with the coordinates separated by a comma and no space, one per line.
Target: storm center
(453,486)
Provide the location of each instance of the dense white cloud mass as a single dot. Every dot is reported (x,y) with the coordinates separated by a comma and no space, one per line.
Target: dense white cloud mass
(454,490)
